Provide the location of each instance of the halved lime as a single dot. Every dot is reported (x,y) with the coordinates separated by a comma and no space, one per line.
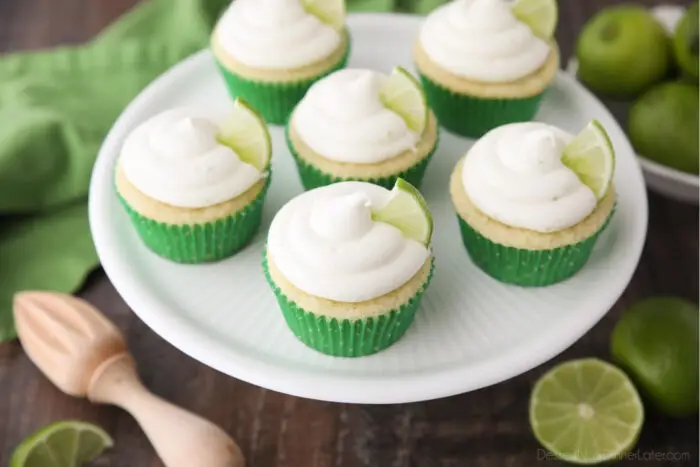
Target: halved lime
(403,94)
(592,157)
(331,12)
(246,133)
(407,211)
(586,412)
(540,15)
(63,444)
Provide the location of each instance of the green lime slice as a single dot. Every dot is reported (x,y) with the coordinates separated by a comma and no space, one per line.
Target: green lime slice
(407,211)
(331,12)
(586,412)
(592,157)
(62,444)
(401,93)
(540,15)
(246,133)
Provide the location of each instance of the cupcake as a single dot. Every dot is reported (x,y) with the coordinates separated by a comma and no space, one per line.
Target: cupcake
(193,183)
(349,263)
(271,51)
(532,200)
(482,67)
(362,125)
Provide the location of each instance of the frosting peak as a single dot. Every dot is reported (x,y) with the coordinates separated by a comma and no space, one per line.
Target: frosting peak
(188,136)
(343,218)
(175,158)
(514,174)
(342,118)
(275,34)
(482,40)
(325,242)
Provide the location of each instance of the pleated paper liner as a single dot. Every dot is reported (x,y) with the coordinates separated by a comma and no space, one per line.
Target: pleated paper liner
(471,116)
(343,337)
(527,268)
(200,243)
(273,100)
(313,177)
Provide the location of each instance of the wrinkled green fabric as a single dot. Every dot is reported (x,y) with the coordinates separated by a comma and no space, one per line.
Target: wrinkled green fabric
(56,107)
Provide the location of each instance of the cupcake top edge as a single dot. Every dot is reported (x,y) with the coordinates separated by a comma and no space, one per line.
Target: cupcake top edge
(342,118)
(275,34)
(515,175)
(326,243)
(482,40)
(176,158)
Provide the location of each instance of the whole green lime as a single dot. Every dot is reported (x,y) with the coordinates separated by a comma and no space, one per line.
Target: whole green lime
(685,42)
(663,125)
(656,342)
(622,51)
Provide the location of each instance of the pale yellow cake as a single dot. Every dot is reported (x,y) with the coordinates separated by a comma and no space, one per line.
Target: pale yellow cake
(527,86)
(351,311)
(306,72)
(387,168)
(525,239)
(168,214)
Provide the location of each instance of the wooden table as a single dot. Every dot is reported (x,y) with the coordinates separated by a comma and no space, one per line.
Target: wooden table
(486,428)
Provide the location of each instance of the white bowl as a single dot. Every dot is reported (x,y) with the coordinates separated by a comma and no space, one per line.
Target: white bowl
(666,181)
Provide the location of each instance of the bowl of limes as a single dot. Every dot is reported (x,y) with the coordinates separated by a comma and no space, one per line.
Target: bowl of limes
(644,63)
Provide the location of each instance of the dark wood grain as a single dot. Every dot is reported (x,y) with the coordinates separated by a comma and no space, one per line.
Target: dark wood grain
(486,428)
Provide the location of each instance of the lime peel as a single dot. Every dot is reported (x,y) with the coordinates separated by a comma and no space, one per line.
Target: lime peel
(408,211)
(403,94)
(246,133)
(591,156)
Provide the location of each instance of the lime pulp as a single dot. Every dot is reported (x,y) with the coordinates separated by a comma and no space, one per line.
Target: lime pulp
(62,444)
(586,412)
(407,211)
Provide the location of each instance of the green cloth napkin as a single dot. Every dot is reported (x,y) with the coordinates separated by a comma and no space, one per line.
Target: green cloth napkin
(55,109)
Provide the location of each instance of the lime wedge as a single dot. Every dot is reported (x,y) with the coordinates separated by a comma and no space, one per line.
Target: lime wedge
(407,211)
(62,444)
(331,12)
(246,133)
(540,15)
(586,412)
(401,93)
(591,156)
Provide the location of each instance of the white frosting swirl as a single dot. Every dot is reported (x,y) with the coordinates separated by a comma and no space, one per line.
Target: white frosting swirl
(275,34)
(325,243)
(175,158)
(342,118)
(482,40)
(514,174)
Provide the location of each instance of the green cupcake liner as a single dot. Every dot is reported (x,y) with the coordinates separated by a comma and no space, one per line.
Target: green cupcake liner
(527,268)
(200,243)
(273,100)
(346,338)
(472,116)
(313,177)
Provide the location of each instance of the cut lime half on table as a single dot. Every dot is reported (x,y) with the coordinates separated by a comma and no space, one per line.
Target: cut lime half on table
(403,94)
(586,412)
(331,12)
(540,15)
(591,156)
(62,444)
(407,211)
(246,133)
